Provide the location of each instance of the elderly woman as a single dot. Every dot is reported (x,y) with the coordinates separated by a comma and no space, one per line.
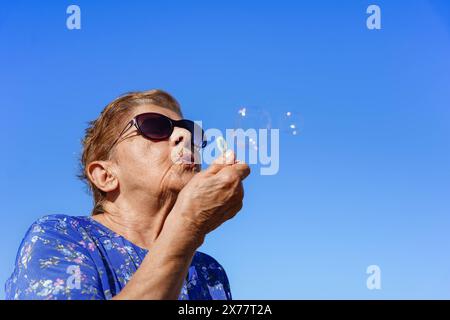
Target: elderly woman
(152,210)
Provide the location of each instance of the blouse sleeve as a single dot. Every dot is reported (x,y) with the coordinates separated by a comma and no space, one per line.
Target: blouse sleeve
(215,276)
(218,284)
(53,263)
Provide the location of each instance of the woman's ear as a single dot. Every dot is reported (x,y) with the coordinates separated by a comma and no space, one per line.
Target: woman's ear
(101,174)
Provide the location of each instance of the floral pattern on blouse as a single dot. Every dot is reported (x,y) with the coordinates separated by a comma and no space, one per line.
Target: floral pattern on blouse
(75,258)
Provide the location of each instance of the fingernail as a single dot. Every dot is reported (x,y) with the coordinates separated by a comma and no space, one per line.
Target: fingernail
(229,155)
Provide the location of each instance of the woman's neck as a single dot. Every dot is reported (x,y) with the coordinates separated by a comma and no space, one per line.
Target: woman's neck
(140,222)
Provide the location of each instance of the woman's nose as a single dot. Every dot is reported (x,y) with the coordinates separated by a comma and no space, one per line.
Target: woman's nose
(180,135)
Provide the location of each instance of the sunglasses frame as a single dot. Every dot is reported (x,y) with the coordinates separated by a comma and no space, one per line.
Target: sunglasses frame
(183,123)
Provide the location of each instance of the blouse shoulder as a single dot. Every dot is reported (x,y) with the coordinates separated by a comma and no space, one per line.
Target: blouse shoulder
(207,260)
(214,274)
(57,220)
(54,262)
(53,228)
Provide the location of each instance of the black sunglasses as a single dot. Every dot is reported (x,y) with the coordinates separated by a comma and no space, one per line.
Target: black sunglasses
(156,126)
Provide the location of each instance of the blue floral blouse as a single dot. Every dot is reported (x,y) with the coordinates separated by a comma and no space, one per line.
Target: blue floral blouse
(65,257)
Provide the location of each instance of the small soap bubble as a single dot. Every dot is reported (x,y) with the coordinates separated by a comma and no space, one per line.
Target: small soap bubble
(242,112)
(253,118)
(290,123)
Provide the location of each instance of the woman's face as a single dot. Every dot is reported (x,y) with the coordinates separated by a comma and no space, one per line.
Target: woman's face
(154,167)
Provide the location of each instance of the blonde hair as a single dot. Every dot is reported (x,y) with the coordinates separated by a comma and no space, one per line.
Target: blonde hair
(103,131)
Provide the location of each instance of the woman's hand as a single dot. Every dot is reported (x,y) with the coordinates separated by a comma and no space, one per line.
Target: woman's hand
(211,197)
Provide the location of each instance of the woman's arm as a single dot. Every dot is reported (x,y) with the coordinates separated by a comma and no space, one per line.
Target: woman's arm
(163,270)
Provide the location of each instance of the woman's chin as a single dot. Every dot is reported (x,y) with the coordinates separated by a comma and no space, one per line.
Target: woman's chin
(188,168)
(185,174)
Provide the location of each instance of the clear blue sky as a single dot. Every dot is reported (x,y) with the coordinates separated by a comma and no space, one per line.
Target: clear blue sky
(367,182)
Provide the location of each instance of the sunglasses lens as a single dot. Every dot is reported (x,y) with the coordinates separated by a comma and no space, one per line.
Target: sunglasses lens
(154,126)
(158,127)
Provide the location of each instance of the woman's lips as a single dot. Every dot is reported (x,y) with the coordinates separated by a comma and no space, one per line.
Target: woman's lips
(186,157)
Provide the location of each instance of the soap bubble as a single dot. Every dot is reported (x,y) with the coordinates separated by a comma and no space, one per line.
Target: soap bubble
(248,117)
(290,122)
(252,118)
